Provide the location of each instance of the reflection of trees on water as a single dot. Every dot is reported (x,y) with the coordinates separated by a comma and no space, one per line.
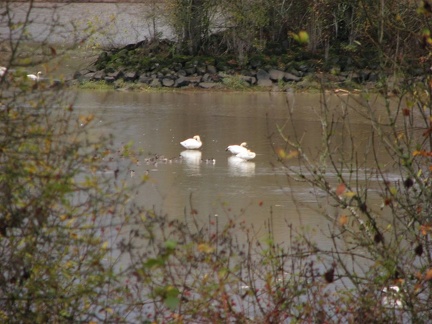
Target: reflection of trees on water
(241,168)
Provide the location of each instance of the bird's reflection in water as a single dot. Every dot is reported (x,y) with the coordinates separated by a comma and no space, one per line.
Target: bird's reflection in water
(192,160)
(240,168)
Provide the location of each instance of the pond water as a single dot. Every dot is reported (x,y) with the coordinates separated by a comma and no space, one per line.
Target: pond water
(157,122)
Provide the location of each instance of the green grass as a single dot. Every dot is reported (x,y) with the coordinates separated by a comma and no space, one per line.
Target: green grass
(95,85)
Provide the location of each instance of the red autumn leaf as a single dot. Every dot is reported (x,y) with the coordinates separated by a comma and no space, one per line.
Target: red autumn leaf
(340,189)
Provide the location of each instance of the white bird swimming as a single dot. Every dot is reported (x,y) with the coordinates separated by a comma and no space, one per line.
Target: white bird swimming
(236,149)
(192,143)
(246,155)
(34,77)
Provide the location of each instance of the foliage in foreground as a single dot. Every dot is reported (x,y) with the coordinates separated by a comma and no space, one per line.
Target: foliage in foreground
(75,248)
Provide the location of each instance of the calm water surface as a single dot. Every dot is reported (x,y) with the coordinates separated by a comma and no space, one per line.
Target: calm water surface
(250,191)
(157,122)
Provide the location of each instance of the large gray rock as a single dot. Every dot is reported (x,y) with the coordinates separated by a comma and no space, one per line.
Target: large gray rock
(181,82)
(208,85)
(296,73)
(190,70)
(167,82)
(194,79)
(130,76)
(86,77)
(249,79)
(116,74)
(262,75)
(288,77)
(99,75)
(155,83)
(109,79)
(181,73)
(276,75)
(145,79)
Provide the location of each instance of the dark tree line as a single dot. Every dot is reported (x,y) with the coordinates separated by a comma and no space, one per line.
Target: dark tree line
(389,29)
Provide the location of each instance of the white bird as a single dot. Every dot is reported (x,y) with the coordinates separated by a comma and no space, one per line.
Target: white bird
(2,71)
(392,297)
(34,77)
(236,149)
(192,143)
(246,155)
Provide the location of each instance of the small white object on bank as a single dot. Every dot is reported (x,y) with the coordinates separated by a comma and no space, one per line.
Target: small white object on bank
(34,77)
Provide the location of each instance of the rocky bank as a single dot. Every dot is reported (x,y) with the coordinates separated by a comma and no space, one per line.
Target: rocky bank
(151,64)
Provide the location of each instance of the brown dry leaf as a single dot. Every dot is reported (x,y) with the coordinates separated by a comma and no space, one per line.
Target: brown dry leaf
(203,247)
(417,287)
(424,229)
(85,119)
(343,220)
(53,51)
(428,275)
